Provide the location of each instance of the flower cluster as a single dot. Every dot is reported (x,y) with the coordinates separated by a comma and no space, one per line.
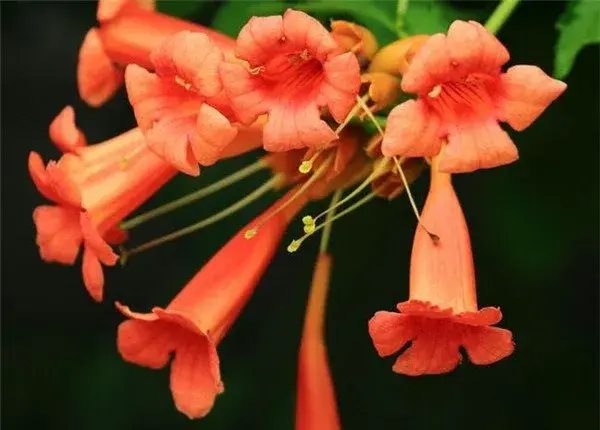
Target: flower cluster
(303,93)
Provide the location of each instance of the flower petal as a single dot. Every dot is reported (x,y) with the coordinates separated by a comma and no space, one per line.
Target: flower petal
(430,66)
(433,351)
(477,145)
(302,31)
(58,233)
(97,77)
(257,38)
(527,92)
(390,331)
(191,57)
(247,100)
(64,133)
(95,242)
(486,345)
(412,131)
(195,376)
(213,133)
(109,9)
(342,82)
(38,174)
(93,277)
(64,188)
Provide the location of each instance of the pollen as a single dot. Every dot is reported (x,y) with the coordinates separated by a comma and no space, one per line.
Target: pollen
(436,91)
(305,166)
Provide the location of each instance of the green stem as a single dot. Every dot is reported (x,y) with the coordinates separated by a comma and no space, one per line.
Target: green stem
(328,223)
(500,15)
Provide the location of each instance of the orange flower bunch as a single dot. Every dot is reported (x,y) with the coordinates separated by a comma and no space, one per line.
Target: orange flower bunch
(302,93)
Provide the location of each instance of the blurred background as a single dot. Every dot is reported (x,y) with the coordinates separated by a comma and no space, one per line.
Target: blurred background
(534,227)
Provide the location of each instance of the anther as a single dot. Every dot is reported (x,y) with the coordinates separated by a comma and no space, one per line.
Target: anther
(293,247)
(309,228)
(249,234)
(308,220)
(436,91)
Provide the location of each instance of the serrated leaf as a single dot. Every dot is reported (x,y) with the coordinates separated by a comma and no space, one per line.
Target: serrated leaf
(578,26)
(428,16)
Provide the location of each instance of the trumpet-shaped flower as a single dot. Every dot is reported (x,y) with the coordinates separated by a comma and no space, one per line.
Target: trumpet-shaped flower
(194,323)
(180,108)
(295,68)
(462,95)
(441,314)
(129,31)
(94,187)
(316,406)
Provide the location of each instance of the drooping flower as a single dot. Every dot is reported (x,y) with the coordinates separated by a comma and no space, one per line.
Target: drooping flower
(181,108)
(94,187)
(441,314)
(295,69)
(129,31)
(195,322)
(462,95)
(316,405)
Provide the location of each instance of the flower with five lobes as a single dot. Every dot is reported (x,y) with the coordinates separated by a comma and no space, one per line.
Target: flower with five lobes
(441,314)
(181,109)
(294,69)
(462,95)
(129,31)
(195,322)
(94,187)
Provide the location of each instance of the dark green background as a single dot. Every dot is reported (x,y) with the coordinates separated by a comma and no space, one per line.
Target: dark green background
(534,227)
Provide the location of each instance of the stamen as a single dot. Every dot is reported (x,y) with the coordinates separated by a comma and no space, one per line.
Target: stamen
(436,91)
(195,196)
(295,244)
(435,238)
(325,236)
(180,81)
(361,101)
(307,165)
(374,175)
(269,185)
(315,176)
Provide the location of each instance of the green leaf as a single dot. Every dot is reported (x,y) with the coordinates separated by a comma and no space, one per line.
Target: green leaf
(428,16)
(231,16)
(578,26)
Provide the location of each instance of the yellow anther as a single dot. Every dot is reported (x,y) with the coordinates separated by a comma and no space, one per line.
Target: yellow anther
(250,233)
(308,220)
(293,247)
(309,228)
(436,91)
(305,166)
(123,163)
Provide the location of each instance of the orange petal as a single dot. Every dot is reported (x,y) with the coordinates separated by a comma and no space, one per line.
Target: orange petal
(95,242)
(38,174)
(302,31)
(390,331)
(191,57)
(342,82)
(214,133)
(116,236)
(109,9)
(195,376)
(65,189)
(430,66)
(433,351)
(97,76)
(144,340)
(477,145)
(527,92)
(473,49)
(290,127)
(64,133)
(247,100)
(259,33)
(58,233)
(93,277)
(412,131)
(486,345)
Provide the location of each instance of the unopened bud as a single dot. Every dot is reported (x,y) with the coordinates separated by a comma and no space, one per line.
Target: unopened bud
(355,38)
(384,89)
(396,57)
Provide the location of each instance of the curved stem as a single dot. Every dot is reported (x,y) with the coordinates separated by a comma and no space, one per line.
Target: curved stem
(500,15)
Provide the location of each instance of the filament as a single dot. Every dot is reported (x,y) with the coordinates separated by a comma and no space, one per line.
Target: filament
(326,235)
(195,196)
(314,177)
(254,195)
(295,244)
